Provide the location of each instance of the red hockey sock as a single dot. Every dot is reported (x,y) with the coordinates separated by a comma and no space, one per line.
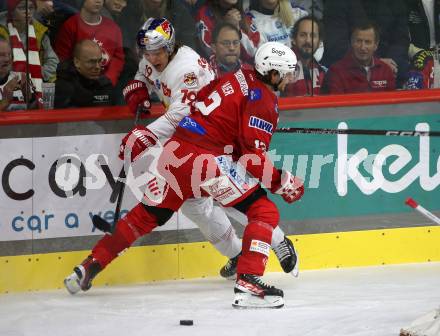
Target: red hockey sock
(138,222)
(255,248)
(263,217)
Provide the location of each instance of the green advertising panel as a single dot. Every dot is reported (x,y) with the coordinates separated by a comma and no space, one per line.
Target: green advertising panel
(360,175)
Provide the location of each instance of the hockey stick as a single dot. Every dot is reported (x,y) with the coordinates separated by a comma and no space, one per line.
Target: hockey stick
(355,131)
(428,214)
(100,223)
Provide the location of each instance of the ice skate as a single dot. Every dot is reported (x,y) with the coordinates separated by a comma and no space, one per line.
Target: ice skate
(229,271)
(82,276)
(287,256)
(251,292)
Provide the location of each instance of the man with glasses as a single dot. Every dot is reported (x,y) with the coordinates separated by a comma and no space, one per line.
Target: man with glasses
(80,82)
(226,49)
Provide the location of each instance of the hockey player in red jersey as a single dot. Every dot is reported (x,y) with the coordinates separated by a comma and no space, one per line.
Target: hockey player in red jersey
(218,151)
(175,74)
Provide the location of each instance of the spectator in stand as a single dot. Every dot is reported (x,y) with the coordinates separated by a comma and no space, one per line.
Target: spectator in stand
(390,16)
(214,12)
(11,83)
(360,70)
(226,49)
(423,23)
(315,8)
(179,16)
(36,48)
(271,20)
(90,24)
(52,14)
(424,29)
(308,76)
(80,82)
(127,15)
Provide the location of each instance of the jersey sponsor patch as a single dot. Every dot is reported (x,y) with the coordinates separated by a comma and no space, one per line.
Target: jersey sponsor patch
(261,124)
(192,126)
(190,80)
(259,247)
(254,94)
(242,82)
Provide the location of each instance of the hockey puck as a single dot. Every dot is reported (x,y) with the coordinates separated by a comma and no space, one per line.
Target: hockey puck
(186,322)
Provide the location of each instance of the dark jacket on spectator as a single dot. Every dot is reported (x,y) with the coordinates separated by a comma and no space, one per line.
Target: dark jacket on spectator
(340,16)
(348,76)
(418,23)
(74,90)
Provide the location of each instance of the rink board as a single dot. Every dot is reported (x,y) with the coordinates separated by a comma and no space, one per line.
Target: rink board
(342,220)
(195,260)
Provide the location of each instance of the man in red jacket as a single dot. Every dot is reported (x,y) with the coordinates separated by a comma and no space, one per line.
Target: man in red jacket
(360,70)
(90,24)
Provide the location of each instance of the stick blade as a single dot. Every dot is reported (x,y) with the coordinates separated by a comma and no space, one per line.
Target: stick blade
(101,224)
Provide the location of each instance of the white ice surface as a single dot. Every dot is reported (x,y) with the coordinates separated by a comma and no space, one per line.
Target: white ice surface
(371,301)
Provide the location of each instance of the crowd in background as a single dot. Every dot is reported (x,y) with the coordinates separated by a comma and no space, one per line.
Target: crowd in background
(87,48)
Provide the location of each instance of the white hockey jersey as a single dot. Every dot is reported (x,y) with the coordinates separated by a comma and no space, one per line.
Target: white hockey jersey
(176,87)
(268,28)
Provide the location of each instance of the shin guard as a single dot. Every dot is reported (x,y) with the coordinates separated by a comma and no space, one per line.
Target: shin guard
(263,217)
(255,249)
(138,222)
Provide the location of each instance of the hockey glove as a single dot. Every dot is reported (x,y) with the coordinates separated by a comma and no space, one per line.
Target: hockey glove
(291,188)
(136,142)
(136,96)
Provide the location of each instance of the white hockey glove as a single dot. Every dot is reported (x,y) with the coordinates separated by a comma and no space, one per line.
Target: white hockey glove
(291,188)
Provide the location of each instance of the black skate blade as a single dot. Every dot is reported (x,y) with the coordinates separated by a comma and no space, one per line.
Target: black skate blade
(101,224)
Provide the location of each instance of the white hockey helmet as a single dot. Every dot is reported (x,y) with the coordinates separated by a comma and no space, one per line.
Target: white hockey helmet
(155,34)
(274,56)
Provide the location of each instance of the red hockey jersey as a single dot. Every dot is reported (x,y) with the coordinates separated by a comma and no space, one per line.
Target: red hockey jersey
(235,114)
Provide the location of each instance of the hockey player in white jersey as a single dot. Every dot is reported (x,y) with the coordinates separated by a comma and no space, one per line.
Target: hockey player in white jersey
(175,74)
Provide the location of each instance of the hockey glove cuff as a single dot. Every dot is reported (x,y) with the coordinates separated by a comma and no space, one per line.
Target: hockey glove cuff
(291,188)
(136,142)
(136,96)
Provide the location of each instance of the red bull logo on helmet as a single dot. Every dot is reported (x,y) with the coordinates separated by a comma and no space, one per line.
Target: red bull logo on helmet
(164,28)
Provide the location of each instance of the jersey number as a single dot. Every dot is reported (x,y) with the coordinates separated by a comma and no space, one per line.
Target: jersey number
(188,96)
(213,101)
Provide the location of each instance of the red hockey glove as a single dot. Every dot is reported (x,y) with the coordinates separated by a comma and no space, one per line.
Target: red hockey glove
(136,96)
(291,188)
(137,141)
